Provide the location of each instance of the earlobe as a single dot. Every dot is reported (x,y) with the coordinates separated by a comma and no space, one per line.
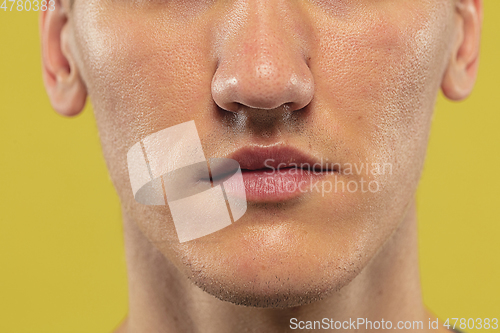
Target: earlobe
(62,80)
(460,75)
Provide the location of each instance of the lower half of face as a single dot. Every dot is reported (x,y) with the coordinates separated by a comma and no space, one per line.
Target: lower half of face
(372,72)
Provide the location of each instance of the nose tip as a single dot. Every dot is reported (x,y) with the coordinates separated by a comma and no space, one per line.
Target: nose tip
(263,82)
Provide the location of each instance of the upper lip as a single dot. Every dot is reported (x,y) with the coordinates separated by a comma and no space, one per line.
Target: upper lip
(264,158)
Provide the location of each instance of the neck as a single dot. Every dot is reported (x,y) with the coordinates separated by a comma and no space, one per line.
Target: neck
(162,299)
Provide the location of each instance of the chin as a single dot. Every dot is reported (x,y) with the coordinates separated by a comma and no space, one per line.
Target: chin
(278,287)
(279,268)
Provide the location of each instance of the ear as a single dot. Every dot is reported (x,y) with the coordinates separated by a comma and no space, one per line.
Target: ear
(460,75)
(66,90)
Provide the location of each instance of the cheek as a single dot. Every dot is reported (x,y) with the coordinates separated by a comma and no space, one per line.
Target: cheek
(139,80)
(142,62)
(378,77)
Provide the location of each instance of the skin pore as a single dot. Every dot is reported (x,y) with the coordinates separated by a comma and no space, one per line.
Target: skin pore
(348,81)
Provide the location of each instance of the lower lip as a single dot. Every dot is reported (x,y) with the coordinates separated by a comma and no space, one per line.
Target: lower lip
(276,186)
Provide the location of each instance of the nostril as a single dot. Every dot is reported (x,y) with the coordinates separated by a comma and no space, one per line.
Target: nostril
(223,92)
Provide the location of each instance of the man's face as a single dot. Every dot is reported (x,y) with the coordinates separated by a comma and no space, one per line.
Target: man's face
(351,82)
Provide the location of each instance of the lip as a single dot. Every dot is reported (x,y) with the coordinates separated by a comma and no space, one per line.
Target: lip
(278,173)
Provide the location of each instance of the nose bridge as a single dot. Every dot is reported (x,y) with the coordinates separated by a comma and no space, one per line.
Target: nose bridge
(261,61)
(264,34)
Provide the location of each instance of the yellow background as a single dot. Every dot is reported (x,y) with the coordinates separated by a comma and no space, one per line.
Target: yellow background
(62,266)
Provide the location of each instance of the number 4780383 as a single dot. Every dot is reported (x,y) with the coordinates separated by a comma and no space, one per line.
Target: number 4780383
(28,5)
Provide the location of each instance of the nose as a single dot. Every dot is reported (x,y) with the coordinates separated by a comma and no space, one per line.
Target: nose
(262,62)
